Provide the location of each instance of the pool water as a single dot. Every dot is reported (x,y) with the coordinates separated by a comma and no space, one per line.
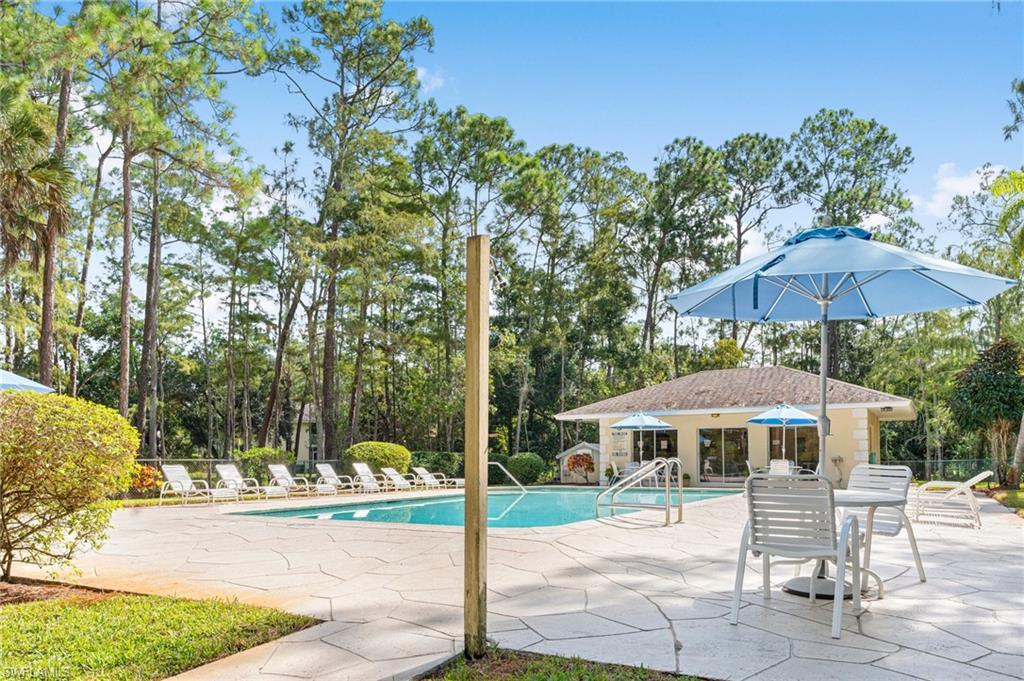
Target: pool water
(538,507)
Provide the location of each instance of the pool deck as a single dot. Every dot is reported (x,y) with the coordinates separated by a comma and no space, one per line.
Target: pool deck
(626,591)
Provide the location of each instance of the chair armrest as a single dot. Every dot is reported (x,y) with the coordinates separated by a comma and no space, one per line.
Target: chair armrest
(300,481)
(226,483)
(848,530)
(206,485)
(172,486)
(254,481)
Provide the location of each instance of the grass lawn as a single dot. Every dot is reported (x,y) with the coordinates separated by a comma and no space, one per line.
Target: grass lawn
(1011,498)
(507,665)
(82,634)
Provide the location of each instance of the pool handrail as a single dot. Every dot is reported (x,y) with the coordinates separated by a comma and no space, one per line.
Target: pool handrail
(666,464)
(510,476)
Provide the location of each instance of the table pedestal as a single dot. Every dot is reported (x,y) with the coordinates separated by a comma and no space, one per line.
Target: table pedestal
(824,587)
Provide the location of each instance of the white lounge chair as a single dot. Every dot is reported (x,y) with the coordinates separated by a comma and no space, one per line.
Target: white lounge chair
(435,480)
(793,516)
(887,521)
(328,476)
(950,500)
(396,480)
(280,476)
(365,479)
(177,482)
(231,478)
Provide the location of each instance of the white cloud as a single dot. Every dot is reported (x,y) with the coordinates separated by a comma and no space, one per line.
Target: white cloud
(949,183)
(430,79)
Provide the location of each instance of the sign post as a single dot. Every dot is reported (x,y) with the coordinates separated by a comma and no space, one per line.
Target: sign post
(478,259)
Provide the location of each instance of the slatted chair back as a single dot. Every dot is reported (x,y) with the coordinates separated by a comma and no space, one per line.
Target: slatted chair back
(780,467)
(327,472)
(228,472)
(864,477)
(178,476)
(791,515)
(281,473)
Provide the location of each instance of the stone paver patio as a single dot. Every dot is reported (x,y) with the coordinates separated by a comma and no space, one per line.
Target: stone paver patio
(624,591)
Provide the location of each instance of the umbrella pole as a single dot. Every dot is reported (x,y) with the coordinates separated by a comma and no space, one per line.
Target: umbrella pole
(823,425)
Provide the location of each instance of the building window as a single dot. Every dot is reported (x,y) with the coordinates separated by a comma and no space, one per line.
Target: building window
(723,455)
(313,440)
(801,445)
(656,443)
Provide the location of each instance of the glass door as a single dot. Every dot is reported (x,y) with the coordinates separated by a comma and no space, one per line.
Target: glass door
(801,445)
(723,455)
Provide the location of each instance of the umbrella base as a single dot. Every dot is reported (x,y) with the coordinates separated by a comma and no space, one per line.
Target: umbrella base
(825,588)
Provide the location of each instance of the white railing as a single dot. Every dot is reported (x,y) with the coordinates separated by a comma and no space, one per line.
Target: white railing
(510,476)
(661,466)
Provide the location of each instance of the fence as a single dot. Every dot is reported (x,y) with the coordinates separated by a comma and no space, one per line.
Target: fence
(945,469)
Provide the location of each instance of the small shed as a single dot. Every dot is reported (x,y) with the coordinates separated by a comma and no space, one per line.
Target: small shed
(577,477)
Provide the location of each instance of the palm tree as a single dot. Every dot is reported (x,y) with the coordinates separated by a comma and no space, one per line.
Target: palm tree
(34,186)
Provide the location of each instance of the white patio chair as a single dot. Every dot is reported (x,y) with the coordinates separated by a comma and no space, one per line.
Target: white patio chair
(793,516)
(887,521)
(328,476)
(435,480)
(780,467)
(396,480)
(946,499)
(231,478)
(177,482)
(280,476)
(365,480)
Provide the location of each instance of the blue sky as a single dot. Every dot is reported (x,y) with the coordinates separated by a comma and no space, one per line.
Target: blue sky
(631,77)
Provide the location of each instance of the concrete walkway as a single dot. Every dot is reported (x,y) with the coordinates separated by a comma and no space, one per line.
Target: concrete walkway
(625,591)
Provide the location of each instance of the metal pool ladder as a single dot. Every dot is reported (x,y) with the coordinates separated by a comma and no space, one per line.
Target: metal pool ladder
(510,476)
(663,466)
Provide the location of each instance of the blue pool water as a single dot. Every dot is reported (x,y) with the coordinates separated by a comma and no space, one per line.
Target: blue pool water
(539,507)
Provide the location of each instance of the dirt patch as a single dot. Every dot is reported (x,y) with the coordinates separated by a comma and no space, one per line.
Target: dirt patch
(511,665)
(24,591)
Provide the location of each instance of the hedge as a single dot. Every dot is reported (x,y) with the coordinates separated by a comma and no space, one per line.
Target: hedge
(378,455)
(527,467)
(452,464)
(61,458)
(252,463)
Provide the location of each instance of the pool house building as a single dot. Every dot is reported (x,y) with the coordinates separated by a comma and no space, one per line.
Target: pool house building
(708,413)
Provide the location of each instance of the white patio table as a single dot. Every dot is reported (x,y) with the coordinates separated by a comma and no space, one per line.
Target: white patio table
(872,501)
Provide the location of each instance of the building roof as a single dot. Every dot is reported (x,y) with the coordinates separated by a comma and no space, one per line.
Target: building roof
(578,446)
(736,390)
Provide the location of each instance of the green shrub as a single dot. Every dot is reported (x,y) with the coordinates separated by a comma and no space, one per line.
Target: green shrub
(527,467)
(495,476)
(60,460)
(452,464)
(379,454)
(252,463)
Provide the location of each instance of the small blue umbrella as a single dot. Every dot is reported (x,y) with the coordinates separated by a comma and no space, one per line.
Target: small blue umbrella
(641,421)
(9,381)
(785,416)
(836,273)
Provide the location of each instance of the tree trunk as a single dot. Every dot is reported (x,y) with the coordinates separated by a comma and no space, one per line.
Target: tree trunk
(83,279)
(1018,452)
(229,385)
(54,228)
(283,333)
(126,272)
(206,358)
(356,394)
(147,365)
(330,361)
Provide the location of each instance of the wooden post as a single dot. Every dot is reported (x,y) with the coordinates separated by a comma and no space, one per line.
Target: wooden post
(478,257)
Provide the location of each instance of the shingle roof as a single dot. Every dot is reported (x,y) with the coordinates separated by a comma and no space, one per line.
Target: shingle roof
(730,389)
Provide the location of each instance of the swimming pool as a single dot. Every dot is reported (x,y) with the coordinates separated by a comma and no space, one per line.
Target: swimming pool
(538,507)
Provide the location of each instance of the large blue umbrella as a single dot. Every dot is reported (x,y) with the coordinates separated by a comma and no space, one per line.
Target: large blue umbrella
(9,381)
(641,421)
(785,416)
(836,273)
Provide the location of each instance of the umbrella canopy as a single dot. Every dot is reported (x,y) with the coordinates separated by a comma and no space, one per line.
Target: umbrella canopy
(836,273)
(641,421)
(9,381)
(784,415)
